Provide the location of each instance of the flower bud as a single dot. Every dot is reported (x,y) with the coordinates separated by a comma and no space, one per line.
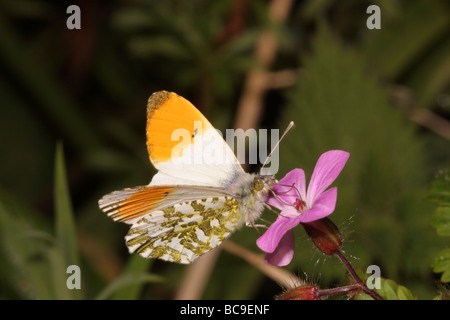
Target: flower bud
(305,292)
(324,234)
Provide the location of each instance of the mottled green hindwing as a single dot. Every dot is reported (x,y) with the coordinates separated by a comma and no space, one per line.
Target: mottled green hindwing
(183,232)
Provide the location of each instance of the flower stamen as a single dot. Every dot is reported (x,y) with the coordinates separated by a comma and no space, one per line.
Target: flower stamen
(300,205)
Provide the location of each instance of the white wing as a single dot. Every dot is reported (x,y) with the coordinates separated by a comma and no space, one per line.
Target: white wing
(175,223)
(184,146)
(208,161)
(183,232)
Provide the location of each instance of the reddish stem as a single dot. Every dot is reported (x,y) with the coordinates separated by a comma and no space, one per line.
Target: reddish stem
(361,285)
(339,290)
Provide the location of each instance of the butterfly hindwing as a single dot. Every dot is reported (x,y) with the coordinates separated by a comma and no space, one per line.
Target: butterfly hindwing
(183,232)
(174,223)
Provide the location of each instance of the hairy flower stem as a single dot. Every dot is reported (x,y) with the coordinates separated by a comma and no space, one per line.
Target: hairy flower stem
(361,285)
(340,290)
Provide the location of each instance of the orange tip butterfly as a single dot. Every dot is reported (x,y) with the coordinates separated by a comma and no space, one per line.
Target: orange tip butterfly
(197,198)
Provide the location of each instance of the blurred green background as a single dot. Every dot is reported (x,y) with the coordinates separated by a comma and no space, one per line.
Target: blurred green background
(72,128)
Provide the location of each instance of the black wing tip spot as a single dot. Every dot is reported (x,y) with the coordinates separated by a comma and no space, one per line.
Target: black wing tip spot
(157,99)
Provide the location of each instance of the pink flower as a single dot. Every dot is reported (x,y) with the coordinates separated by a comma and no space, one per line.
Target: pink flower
(299,205)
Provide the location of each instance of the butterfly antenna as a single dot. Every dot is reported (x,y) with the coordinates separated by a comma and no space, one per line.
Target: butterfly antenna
(289,127)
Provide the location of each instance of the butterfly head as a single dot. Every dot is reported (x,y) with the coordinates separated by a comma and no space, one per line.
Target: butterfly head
(263,183)
(255,195)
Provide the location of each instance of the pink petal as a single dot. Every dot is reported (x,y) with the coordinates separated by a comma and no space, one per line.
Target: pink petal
(284,252)
(284,190)
(275,202)
(328,167)
(269,241)
(323,206)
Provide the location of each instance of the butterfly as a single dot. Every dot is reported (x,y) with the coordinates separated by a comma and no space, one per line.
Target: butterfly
(200,194)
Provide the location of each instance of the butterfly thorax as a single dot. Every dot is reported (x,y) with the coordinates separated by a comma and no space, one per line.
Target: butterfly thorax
(253,191)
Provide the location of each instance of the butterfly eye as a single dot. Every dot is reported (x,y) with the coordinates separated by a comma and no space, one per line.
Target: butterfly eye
(258,185)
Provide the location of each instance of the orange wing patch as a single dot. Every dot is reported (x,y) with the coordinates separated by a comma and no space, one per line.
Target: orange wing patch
(133,202)
(167,112)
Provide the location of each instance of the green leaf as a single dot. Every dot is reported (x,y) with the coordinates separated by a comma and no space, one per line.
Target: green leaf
(403,293)
(389,289)
(440,189)
(65,224)
(66,253)
(23,264)
(57,267)
(441,221)
(136,265)
(441,263)
(127,280)
(440,193)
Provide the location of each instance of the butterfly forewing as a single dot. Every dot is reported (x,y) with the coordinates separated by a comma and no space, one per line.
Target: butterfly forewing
(198,157)
(183,232)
